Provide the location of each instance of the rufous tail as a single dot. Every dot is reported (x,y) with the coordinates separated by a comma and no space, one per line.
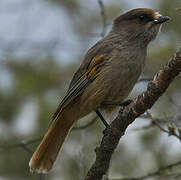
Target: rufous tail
(46,153)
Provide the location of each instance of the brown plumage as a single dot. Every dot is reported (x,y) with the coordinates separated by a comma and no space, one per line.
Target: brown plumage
(108,73)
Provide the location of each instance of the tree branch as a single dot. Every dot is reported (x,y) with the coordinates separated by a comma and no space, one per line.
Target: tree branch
(24,143)
(171,130)
(86,125)
(144,101)
(103,16)
(155,122)
(158,172)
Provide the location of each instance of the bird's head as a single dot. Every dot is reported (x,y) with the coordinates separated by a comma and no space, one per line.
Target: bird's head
(141,23)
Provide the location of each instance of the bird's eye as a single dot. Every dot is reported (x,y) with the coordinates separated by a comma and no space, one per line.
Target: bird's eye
(142,17)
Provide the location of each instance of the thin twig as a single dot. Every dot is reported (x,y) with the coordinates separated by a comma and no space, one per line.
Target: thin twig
(86,125)
(23,144)
(178,9)
(19,144)
(152,124)
(158,172)
(171,130)
(103,16)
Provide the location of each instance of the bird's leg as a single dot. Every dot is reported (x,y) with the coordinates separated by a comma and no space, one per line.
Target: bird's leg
(102,118)
(123,104)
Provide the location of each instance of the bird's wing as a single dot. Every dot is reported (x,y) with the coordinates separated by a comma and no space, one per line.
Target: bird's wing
(82,78)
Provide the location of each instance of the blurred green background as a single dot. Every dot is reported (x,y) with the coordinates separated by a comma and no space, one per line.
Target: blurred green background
(41,45)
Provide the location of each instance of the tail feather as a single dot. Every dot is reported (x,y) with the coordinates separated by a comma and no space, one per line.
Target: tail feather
(46,153)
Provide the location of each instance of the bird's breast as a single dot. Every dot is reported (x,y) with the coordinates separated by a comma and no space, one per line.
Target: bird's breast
(115,80)
(120,76)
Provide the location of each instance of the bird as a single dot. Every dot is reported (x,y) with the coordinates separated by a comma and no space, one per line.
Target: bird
(106,76)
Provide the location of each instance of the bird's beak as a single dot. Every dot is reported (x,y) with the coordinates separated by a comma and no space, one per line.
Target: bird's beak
(161,19)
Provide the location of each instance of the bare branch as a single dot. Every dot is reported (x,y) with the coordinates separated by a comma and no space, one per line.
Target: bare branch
(171,130)
(86,125)
(178,9)
(156,173)
(139,105)
(155,122)
(23,144)
(103,16)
